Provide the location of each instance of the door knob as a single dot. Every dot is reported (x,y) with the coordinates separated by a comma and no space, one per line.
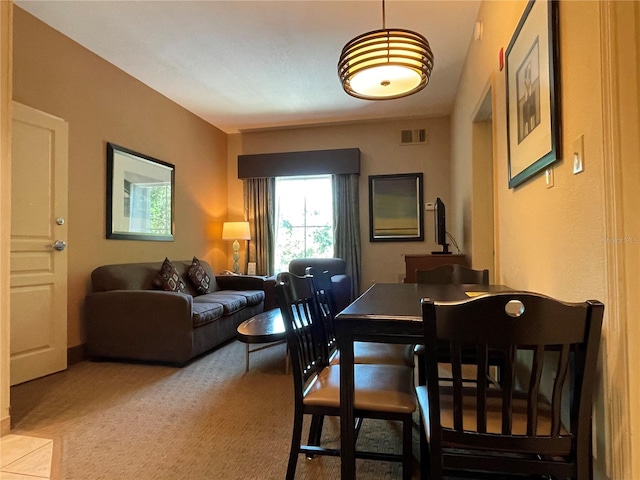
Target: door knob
(59,245)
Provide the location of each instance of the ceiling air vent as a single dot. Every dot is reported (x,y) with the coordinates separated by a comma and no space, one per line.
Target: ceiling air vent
(413,137)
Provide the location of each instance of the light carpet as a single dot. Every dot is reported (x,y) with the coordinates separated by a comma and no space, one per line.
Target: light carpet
(208,420)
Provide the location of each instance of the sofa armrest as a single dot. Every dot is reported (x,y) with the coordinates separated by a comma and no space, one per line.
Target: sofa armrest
(240,282)
(140,324)
(270,299)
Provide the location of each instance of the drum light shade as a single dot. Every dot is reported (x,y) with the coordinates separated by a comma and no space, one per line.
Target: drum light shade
(385,64)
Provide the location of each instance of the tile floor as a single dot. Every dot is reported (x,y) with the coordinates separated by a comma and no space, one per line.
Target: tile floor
(25,458)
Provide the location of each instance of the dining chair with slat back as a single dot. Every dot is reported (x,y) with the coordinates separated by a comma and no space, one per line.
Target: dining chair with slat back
(518,427)
(321,282)
(453,273)
(364,352)
(381,391)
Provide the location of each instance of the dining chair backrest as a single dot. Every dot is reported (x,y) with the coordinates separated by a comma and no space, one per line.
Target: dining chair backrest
(302,321)
(550,350)
(326,303)
(454,273)
(382,392)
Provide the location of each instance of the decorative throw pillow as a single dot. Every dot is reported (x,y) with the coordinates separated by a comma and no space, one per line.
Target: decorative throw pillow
(198,277)
(168,278)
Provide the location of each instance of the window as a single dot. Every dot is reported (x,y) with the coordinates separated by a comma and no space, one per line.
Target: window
(304,219)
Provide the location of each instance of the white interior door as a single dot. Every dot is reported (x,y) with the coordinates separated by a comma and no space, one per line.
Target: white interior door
(38,258)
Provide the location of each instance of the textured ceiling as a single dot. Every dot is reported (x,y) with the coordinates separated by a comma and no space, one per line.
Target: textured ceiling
(243,65)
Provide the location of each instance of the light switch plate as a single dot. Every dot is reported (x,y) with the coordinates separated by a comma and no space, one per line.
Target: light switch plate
(577,154)
(548,177)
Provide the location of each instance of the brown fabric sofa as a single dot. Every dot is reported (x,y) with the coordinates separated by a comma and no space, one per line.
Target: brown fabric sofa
(127,319)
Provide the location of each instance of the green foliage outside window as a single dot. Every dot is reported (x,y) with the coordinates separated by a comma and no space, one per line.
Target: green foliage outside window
(160,209)
(305,219)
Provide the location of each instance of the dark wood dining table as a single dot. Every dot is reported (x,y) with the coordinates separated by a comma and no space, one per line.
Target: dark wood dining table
(391,313)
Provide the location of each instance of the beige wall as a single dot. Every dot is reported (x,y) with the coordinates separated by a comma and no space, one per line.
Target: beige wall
(381,154)
(6,9)
(550,240)
(560,224)
(103,104)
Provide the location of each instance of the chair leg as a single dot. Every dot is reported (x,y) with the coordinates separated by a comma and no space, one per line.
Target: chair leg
(425,459)
(295,445)
(287,361)
(436,471)
(356,428)
(407,454)
(422,373)
(315,431)
(584,459)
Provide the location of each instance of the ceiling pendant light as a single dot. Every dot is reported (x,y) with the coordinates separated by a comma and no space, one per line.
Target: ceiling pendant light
(385,64)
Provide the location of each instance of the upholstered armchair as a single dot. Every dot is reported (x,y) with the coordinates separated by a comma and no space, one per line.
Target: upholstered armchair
(336,267)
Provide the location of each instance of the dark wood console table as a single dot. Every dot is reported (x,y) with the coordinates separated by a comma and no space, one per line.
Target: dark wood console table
(427,262)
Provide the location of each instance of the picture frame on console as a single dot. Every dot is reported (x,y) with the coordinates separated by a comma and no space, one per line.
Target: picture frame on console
(140,196)
(532,92)
(395,208)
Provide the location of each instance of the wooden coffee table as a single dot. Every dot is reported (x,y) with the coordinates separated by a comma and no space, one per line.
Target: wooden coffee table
(267,328)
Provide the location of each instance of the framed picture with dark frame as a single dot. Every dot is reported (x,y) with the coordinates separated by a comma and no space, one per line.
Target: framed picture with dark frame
(532,91)
(140,196)
(396,208)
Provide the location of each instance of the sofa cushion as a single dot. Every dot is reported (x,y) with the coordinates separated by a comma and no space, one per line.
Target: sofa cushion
(206,313)
(169,279)
(230,301)
(140,276)
(254,297)
(199,277)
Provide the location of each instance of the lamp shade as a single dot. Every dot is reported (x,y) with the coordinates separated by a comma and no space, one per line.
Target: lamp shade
(385,64)
(236,231)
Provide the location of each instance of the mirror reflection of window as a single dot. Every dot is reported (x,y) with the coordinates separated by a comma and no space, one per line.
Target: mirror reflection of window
(147,200)
(150,208)
(127,199)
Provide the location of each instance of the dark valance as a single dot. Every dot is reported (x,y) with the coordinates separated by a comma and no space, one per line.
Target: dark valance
(312,162)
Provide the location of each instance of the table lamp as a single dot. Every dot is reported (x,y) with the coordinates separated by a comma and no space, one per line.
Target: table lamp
(236,231)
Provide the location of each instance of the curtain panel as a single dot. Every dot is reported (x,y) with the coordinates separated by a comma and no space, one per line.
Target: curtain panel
(346,222)
(259,203)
